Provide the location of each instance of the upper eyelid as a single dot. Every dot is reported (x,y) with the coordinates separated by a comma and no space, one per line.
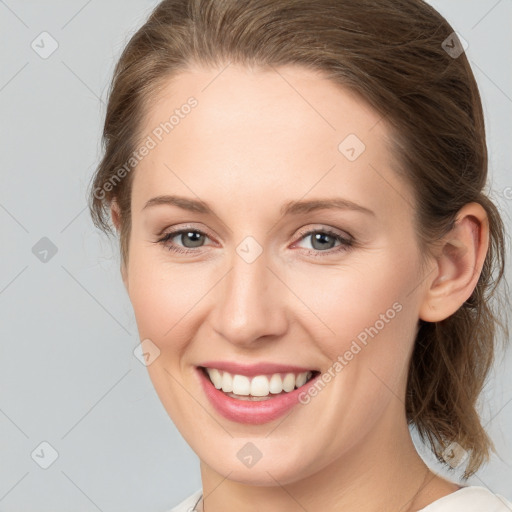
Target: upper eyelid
(177,230)
(317,227)
(336,231)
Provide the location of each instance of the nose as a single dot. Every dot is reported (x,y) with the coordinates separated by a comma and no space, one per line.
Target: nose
(250,303)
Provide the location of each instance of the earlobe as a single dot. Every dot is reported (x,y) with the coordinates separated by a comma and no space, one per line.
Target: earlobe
(115,214)
(458,264)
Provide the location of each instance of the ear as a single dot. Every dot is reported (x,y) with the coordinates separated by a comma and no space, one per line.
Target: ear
(459,263)
(115,213)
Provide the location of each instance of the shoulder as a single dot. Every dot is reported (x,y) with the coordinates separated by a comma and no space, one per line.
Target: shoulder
(188,504)
(470,499)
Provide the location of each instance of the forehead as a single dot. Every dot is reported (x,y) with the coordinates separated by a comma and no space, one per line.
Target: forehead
(252,130)
(274,101)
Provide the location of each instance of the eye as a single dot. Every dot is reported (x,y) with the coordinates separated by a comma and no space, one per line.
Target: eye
(324,241)
(190,238)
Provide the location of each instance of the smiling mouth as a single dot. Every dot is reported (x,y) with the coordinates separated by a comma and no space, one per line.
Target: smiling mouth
(259,387)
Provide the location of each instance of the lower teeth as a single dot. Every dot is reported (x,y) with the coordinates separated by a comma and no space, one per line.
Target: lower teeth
(251,397)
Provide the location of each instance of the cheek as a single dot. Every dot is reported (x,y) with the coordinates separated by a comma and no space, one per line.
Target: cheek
(166,301)
(372,325)
(161,295)
(358,303)
(368,317)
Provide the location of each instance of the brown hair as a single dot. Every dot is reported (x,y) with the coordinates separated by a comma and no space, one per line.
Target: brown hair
(396,55)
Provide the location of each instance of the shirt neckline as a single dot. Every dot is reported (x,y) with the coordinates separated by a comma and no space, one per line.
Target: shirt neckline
(441,501)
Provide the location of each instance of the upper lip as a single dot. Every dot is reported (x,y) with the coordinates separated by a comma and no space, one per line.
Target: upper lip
(251,370)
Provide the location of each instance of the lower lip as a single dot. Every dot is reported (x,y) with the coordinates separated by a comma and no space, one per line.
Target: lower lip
(247,411)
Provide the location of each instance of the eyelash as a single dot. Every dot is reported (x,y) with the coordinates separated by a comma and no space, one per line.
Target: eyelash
(345,243)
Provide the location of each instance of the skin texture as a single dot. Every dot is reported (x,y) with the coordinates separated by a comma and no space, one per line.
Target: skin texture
(256,140)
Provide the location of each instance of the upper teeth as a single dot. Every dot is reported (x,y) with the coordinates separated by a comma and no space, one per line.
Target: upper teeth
(261,385)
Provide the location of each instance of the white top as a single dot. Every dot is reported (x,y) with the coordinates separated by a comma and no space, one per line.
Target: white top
(467,499)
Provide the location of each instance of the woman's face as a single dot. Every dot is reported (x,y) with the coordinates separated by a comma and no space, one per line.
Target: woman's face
(253,286)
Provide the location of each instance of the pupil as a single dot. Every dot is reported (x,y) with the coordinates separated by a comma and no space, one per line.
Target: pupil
(194,235)
(319,237)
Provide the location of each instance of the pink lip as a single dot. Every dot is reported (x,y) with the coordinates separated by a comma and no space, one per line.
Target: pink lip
(252,412)
(251,370)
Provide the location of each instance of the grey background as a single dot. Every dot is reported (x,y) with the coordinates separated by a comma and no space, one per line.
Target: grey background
(68,375)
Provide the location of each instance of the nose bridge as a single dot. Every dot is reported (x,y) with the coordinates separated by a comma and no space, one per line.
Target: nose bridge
(249,304)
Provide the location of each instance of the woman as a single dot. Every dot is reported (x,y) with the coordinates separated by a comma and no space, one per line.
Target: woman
(298,190)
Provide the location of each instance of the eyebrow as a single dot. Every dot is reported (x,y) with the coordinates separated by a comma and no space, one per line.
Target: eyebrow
(290,208)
